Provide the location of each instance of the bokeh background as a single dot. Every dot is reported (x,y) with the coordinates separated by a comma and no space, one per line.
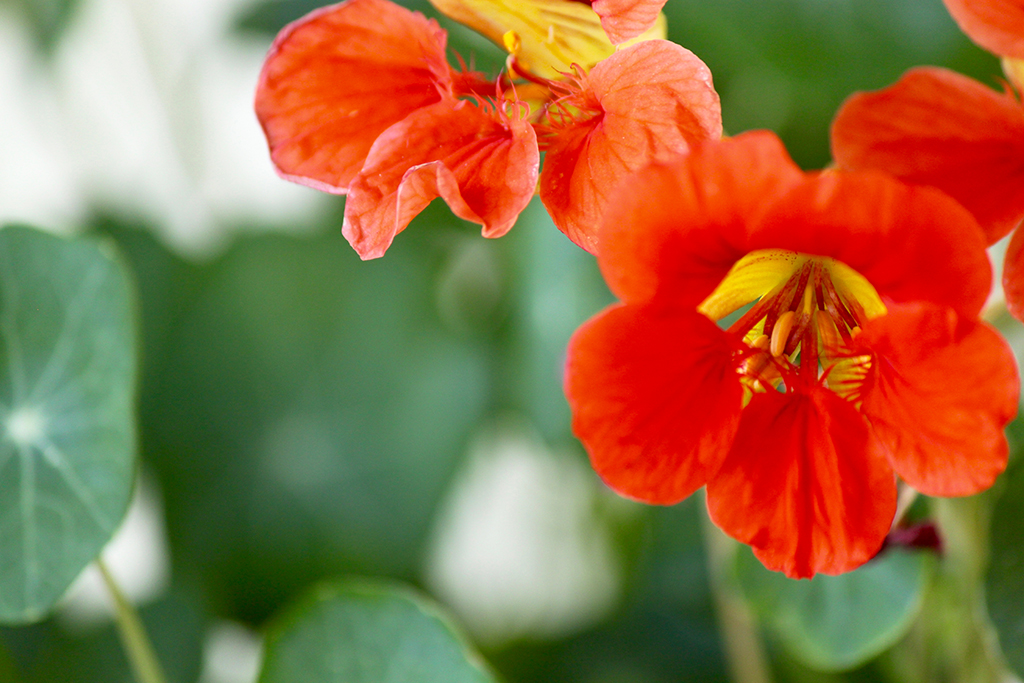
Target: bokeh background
(305,415)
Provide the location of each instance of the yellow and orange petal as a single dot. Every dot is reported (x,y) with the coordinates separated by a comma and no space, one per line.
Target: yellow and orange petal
(804,484)
(624,20)
(996,25)
(337,78)
(936,127)
(482,162)
(546,36)
(647,102)
(655,399)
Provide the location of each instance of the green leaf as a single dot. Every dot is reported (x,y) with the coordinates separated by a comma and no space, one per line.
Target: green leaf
(839,622)
(365,633)
(1004,584)
(67,438)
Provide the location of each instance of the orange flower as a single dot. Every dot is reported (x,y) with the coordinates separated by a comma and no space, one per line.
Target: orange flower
(936,127)
(852,302)
(359,99)
(647,102)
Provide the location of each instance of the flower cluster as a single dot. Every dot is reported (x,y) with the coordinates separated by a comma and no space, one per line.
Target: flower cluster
(359,98)
(794,342)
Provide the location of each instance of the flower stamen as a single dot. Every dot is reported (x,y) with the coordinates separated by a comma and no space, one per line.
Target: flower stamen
(780,333)
(804,312)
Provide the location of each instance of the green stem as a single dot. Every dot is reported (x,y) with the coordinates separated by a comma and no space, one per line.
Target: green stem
(134,638)
(970,642)
(744,652)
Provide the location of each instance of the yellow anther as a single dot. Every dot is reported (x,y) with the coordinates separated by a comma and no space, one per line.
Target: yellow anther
(762,342)
(854,331)
(780,333)
(512,42)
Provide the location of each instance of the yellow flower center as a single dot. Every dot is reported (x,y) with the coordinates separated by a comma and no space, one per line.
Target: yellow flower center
(803,312)
(545,36)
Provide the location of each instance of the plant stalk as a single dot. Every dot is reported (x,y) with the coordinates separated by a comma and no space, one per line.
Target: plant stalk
(744,652)
(134,638)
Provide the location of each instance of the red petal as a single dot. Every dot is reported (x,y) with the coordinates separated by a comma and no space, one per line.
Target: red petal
(941,390)
(623,20)
(646,102)
(1013,276)
(996,25)
(804,484)
(674,230)
(936,127)
(655,400)
(484,165)
(337,78)
(911,243)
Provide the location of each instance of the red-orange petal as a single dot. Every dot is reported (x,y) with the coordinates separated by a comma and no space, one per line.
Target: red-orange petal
(672,231)
(911,242)
(940,392)
(1013,276)
(805,484)
(646,102)
(655,400)
(996,25)
(624,20)
(482,163)
(936,127)
(337,78)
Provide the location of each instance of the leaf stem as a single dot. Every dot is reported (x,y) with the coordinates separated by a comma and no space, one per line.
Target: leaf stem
(134,638)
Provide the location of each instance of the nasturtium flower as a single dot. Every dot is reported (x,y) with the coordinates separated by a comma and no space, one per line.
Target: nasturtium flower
(793,342)
(359,98)
(937,127)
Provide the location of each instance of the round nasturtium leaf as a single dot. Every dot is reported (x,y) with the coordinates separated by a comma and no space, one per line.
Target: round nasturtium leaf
(834,623)
(367,633)
(67,434)
(1004,584)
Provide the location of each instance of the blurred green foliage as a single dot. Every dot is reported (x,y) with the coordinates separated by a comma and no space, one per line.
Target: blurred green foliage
(839,622)
(309,406)
(1004,583)
(53,652)
(47,20)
